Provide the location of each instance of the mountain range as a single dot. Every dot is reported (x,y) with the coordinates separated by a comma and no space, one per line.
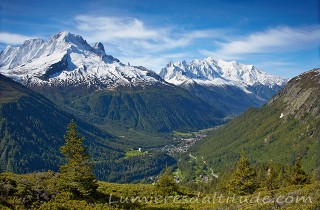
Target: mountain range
(118,107)
(67,62)
(70,72)
(229,86)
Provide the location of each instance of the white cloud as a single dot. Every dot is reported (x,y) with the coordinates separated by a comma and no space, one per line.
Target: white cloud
(276,63)
(134,32)
(110,28)
(12,38)
(274,40)
(130,39)
(220,55)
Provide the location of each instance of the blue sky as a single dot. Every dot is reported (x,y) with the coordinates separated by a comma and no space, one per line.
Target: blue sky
(281,37)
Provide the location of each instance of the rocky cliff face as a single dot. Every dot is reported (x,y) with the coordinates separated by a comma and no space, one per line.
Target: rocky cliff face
(301,96)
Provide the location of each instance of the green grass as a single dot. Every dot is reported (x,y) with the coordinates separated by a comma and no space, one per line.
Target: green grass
(183,134)
(132,153)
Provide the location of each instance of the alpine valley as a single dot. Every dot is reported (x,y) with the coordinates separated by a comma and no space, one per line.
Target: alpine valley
(123,110)
(32,130)
(202,126)
(285,128)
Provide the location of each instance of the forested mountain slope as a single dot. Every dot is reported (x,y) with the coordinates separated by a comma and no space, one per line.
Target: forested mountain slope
(287,127)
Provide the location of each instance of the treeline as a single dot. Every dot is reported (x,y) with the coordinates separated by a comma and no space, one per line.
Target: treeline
(245,177)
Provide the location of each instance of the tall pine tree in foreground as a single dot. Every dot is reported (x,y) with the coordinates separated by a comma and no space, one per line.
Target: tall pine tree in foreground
(243,181)
(298,176)
(315,174)
(76,175)
(269,181)
(166,184)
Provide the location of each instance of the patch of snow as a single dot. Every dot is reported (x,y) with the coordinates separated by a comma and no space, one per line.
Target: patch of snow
(281,115)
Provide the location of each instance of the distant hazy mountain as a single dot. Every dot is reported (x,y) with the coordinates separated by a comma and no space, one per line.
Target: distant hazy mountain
(286,127)
(229,86)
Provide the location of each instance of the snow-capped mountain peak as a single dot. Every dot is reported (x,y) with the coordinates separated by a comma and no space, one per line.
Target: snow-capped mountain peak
(98,46)
(67,37)
(67,59)
(215,72)
(231,86)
